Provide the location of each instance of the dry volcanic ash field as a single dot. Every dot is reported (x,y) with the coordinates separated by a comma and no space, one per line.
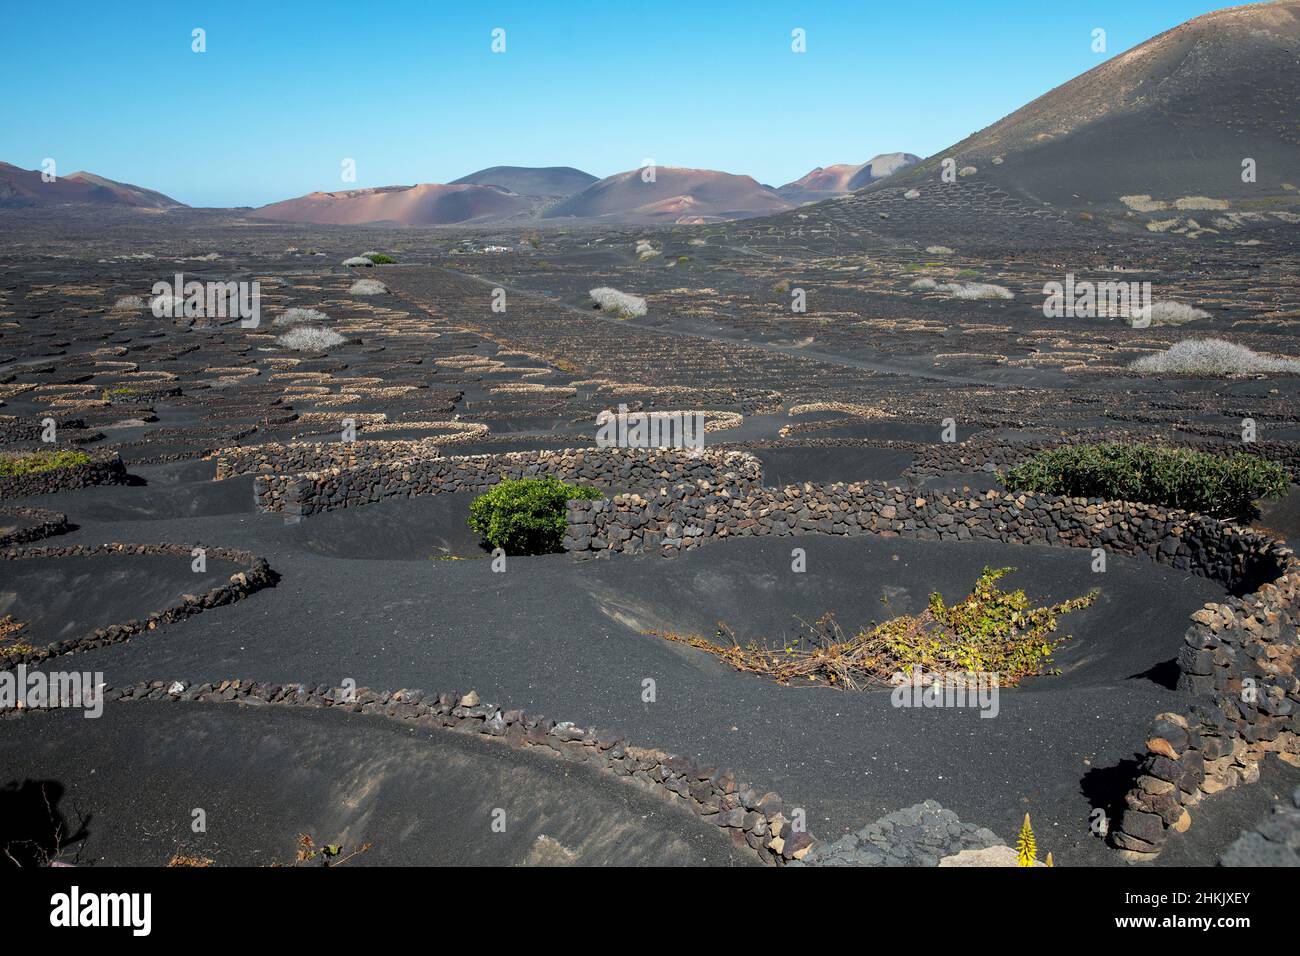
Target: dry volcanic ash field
(285,532)
(872,612)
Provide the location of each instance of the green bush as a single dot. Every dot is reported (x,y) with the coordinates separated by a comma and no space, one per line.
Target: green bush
(1226,487)
(119,393)
(13,466)
(526,515)
(379,259)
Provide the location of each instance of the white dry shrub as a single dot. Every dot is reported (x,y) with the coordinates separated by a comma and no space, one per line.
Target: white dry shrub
(644,250)
(309,338)
(1142,202)
(128,303)
(359,261)
(1175,313)
(1213,357)
(1200,202)
(299,317)
(938,250)
(964,290)
(368,287)
(1162,225)
(620,303)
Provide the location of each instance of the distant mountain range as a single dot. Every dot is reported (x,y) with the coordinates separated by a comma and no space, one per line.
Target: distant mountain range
(663,194)
(1165,130)
(24,187)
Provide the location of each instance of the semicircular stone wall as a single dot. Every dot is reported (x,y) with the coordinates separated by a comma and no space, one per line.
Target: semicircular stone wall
(1238,665)
(103,468)
(304,479)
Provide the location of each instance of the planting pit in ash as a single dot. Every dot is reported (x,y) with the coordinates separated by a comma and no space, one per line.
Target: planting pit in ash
(263,776)
(20,525)
(59,598)
(417,529)
(170,490)
(1134,627)
(565,638)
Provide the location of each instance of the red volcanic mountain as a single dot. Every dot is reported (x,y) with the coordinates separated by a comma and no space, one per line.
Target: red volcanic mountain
(428,204)
(675,196)
(531,180)
(823,182)
(24,187)
(878,167)
(827,182)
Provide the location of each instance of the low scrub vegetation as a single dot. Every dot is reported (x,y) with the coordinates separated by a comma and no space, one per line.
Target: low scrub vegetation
(991,632)
(309,338)
(368,287)
(1226,487)
(310,853)
(11,645)
(975,290)
(619,303)
(378,258)
(299,317)
(1213,357)
(964,290)
(1175,313)
(120,393)
(526,515)
(646,250)
(14,466)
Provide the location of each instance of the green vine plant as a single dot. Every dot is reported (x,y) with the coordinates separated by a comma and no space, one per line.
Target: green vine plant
(991,631)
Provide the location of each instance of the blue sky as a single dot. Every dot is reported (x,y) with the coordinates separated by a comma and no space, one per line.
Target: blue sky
(411,90)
